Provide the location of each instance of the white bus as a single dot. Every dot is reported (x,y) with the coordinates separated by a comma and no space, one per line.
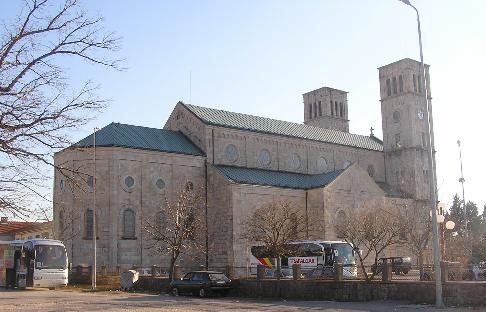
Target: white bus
(310,254)
(33,263)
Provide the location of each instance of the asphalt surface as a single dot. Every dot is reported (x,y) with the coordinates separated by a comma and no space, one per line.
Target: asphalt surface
(116,301)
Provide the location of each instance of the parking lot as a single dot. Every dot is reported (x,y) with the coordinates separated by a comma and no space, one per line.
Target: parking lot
(116,301)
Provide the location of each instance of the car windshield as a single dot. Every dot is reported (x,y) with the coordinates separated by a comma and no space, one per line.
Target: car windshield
(50,257)
(345,253)
(218,277)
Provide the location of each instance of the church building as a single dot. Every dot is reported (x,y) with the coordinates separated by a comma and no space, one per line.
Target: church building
(242,162)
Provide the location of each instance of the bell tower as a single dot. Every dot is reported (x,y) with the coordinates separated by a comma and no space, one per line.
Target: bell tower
(404,121)
(326,108)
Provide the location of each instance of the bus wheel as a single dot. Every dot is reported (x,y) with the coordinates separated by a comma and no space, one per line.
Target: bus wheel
(52,288)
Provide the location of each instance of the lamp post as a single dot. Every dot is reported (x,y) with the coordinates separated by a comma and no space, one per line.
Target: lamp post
(449,225)
(461,180)
(93,277)
(431,165)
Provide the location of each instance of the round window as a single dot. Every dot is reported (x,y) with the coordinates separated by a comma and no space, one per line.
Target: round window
(160,184)
(129,181)
(294,161)
(231,153)
(264,158)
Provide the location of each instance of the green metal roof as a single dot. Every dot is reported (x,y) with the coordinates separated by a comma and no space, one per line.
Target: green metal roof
(121,135)
(277,178)
(267,125)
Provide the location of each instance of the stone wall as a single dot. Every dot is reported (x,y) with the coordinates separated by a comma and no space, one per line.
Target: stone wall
(113,197)
(454,293)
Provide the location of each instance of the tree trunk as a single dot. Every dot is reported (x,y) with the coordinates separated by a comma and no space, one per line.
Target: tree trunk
(279,267)
(421,264)
(173,258)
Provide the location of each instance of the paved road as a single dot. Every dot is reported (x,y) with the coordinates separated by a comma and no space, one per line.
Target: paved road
(75,300)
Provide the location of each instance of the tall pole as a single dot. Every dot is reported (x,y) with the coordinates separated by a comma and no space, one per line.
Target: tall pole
(93,277)
(431,163)
(463,197)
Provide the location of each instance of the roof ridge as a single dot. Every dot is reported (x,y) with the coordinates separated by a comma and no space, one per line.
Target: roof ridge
(242,121)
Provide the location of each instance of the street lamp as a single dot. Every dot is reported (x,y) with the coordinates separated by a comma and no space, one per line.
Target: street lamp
(449,225)
(93,277)
(431,163)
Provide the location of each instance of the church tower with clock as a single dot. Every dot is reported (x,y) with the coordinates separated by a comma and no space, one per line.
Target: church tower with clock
(404,122)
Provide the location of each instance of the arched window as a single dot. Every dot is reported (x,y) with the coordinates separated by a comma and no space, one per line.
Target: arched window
(332,109)
(128,224)
(88,224)
(341,111)
(388,87)
(310,111)
(400,83)
(315,109)
(320,108)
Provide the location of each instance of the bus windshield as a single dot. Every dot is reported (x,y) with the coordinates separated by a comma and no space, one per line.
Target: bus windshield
(50,257)
(345,253)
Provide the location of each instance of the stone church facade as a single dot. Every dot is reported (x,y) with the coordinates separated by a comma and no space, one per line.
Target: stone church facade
(241,162)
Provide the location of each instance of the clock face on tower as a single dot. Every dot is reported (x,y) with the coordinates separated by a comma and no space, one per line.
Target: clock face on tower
(420,114)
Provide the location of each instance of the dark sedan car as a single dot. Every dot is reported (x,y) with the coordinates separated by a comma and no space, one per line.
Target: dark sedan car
(399,265)
(201,283)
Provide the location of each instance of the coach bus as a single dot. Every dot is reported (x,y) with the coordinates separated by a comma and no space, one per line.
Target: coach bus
(310,254)
(33,263)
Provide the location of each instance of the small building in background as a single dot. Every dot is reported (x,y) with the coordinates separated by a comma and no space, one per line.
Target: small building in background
(12,230)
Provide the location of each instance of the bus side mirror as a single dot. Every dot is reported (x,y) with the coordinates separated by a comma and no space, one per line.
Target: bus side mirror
(70,266)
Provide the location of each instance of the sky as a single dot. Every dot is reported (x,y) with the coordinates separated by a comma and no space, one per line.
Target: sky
(259,56)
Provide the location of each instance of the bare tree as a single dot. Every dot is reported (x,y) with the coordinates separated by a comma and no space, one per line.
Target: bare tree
(38,106)
(178,227)
(371,231)
(417,227)
(274,225)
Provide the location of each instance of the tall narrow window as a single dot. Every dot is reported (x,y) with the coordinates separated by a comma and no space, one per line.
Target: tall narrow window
(394,85)
(340,109)
(88,223)
(388,87)
(320,108)
(129,224)
(414,83)
(315,109)
(310,111)
(424,140)
(336,108)
(419,78)
(332,109)
(400,83)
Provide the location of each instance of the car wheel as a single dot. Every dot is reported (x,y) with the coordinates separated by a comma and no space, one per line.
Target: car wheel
(202,293)
(175,291)
(405,272)
(398,272)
